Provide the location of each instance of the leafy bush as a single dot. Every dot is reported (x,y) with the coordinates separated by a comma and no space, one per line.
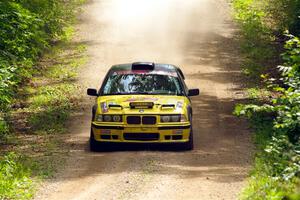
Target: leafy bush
(56,14)
(256,35)
(287,105)
(21,40)
(283,15)
(14,178)
(7,82)
(277,169)
(262,23)
(276,119)
(27,28)
(20,36)
(3,128)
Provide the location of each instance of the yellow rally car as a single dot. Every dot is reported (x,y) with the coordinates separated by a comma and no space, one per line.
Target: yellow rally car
(142,102)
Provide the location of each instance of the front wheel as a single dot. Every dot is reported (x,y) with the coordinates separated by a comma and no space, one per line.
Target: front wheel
(98,146)
(190,144)
(94,146)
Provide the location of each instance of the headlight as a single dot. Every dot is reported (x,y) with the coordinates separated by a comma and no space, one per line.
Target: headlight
(117,118)
(99,118)
(109,118)
(183,118)
(171,118)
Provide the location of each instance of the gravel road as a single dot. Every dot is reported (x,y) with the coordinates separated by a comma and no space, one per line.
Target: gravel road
(200,37)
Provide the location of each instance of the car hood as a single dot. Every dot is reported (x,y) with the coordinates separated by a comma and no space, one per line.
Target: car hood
(121,104)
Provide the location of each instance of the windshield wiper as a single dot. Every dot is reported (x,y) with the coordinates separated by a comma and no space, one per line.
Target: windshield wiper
(140,93)
(127,93)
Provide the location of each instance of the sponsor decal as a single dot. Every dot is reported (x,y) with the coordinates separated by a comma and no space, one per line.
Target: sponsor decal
(156,72)
(141,99)
(104,107)
(177,131)
(179,104)
(105,131)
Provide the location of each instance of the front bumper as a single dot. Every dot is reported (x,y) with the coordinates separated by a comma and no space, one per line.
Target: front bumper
(178,133)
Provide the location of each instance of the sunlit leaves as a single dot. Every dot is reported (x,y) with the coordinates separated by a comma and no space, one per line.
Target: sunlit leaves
(281,157)
(27,27)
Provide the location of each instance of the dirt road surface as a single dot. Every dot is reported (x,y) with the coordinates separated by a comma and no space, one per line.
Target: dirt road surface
(198,36)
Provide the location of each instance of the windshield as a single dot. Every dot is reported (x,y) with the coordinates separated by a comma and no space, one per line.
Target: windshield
(142,84)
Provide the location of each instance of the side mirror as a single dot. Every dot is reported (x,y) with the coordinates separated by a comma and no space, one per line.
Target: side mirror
(92,92)
(193,92)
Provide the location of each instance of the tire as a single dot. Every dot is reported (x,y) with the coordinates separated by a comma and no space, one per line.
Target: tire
(94,145)
(190,144)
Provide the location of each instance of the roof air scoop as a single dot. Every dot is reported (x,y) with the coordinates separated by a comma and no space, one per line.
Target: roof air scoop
(143,66)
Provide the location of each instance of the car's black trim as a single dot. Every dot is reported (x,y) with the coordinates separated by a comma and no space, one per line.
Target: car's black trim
(141,136)
(107,127)
(115,106)
(143,66)
(168,105)
(159,128)
(173,127)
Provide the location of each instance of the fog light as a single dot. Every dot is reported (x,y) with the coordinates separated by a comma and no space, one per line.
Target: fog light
(165,118)
(99,118)
(116,118)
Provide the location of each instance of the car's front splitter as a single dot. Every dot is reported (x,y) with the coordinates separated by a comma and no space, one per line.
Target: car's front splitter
(167,134)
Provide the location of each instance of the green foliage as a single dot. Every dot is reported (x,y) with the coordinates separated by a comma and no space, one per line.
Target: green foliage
(20,41)
(49,103)
(277,167)
(51,107)
(4,130)
(20,36)
(256,35)
(283,15)
(7,81)
(27,28)
(15,182)
(54,94)
(56,14)
(276,119)
(262,23)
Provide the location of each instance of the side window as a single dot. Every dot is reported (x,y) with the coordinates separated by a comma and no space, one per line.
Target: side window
(181,77)
(185,87)
(180,72)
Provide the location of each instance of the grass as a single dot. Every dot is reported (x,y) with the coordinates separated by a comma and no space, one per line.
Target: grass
(39,120)
(266,180)
(15,181)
